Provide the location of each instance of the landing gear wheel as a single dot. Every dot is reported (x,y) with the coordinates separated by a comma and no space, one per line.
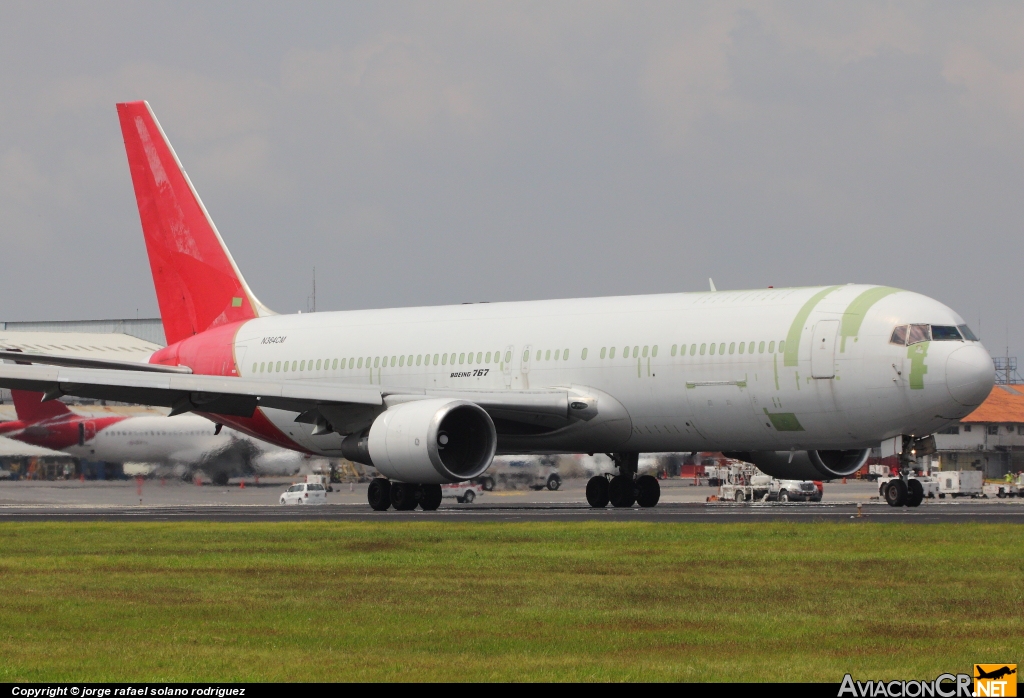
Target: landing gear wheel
(597,492)
(915,493)
(648,491)
(896,493)
(430,497)
(621,491)
(403,496)
(379,494)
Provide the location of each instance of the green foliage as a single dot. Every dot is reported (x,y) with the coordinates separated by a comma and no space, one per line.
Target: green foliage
(398,600)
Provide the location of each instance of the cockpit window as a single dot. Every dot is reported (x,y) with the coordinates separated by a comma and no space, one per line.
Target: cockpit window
(967,334)
(899,336)
(919,333)
(945,333)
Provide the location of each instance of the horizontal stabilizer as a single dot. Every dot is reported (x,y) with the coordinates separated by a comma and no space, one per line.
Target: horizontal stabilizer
(76,362)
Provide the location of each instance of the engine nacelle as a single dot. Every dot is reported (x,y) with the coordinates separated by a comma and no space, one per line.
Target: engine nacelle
(805,465)
(427,442)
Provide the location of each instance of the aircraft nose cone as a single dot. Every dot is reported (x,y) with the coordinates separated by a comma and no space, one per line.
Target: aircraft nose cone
(970,375)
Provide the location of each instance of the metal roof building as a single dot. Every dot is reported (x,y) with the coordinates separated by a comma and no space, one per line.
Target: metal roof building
(148,329)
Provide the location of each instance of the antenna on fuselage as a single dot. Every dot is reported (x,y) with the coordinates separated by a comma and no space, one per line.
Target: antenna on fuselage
(711,283)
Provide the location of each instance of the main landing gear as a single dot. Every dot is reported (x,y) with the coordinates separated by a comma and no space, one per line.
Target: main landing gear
(403,496)
(625,489)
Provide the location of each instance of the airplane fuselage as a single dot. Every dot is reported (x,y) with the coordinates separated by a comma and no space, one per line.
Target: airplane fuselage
(772,369)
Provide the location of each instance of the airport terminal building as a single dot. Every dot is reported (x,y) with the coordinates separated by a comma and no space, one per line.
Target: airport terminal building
(990,439)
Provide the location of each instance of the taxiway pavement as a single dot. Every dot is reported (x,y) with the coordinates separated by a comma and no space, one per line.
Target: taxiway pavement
(155,500)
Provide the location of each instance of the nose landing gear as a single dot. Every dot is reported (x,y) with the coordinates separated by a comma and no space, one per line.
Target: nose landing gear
(625,489)
(907,490)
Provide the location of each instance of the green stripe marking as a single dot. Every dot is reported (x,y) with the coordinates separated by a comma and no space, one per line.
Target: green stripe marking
(797,328)
(917,353)
(784,421)
(854,315)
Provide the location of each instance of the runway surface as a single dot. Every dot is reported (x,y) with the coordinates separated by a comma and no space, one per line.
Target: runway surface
(680,503)
(988,512)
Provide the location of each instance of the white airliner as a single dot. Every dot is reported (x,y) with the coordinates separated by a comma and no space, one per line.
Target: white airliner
(180,445)
(800,381)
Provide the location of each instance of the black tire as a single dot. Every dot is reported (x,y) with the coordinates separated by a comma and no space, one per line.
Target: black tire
(881,490)
(378,494)
(430,497)
(739,496)
(469,497)
(554,482)
(942,495)
(915,493)
(220,479)
(403,496)
(621,492)
(597,492)
(648,491)
(487,483)
(896,493)
(783,496)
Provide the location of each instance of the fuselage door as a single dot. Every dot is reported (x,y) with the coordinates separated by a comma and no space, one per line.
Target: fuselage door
(506,364)
(823,349)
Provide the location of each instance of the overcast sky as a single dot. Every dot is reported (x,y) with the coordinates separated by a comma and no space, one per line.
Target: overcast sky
(424,153)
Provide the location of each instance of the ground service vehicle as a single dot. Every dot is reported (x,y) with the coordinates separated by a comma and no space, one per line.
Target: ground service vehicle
(463,492)
(961,483)
(305,493)
(1000,490)
(428,396)
(798,491)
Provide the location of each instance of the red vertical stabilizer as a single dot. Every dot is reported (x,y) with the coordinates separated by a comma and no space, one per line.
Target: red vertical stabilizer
(31,408)
(197,283)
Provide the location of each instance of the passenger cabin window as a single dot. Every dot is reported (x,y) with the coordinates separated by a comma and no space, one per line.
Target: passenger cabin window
(604,352)
(672,351)
(654,351)
(693,349)
(583,354)
(702,349)
(611,353)
(732,347)
(712,349)
(771,348)
(508,357)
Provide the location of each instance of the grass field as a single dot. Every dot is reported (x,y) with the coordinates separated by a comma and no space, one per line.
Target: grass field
(558,601)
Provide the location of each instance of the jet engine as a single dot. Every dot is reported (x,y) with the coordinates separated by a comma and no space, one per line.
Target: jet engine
(427,442)
(805,465)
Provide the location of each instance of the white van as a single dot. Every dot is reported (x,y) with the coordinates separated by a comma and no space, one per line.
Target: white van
(305,493)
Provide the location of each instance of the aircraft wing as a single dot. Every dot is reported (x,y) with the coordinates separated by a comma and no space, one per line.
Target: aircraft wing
(344,406)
